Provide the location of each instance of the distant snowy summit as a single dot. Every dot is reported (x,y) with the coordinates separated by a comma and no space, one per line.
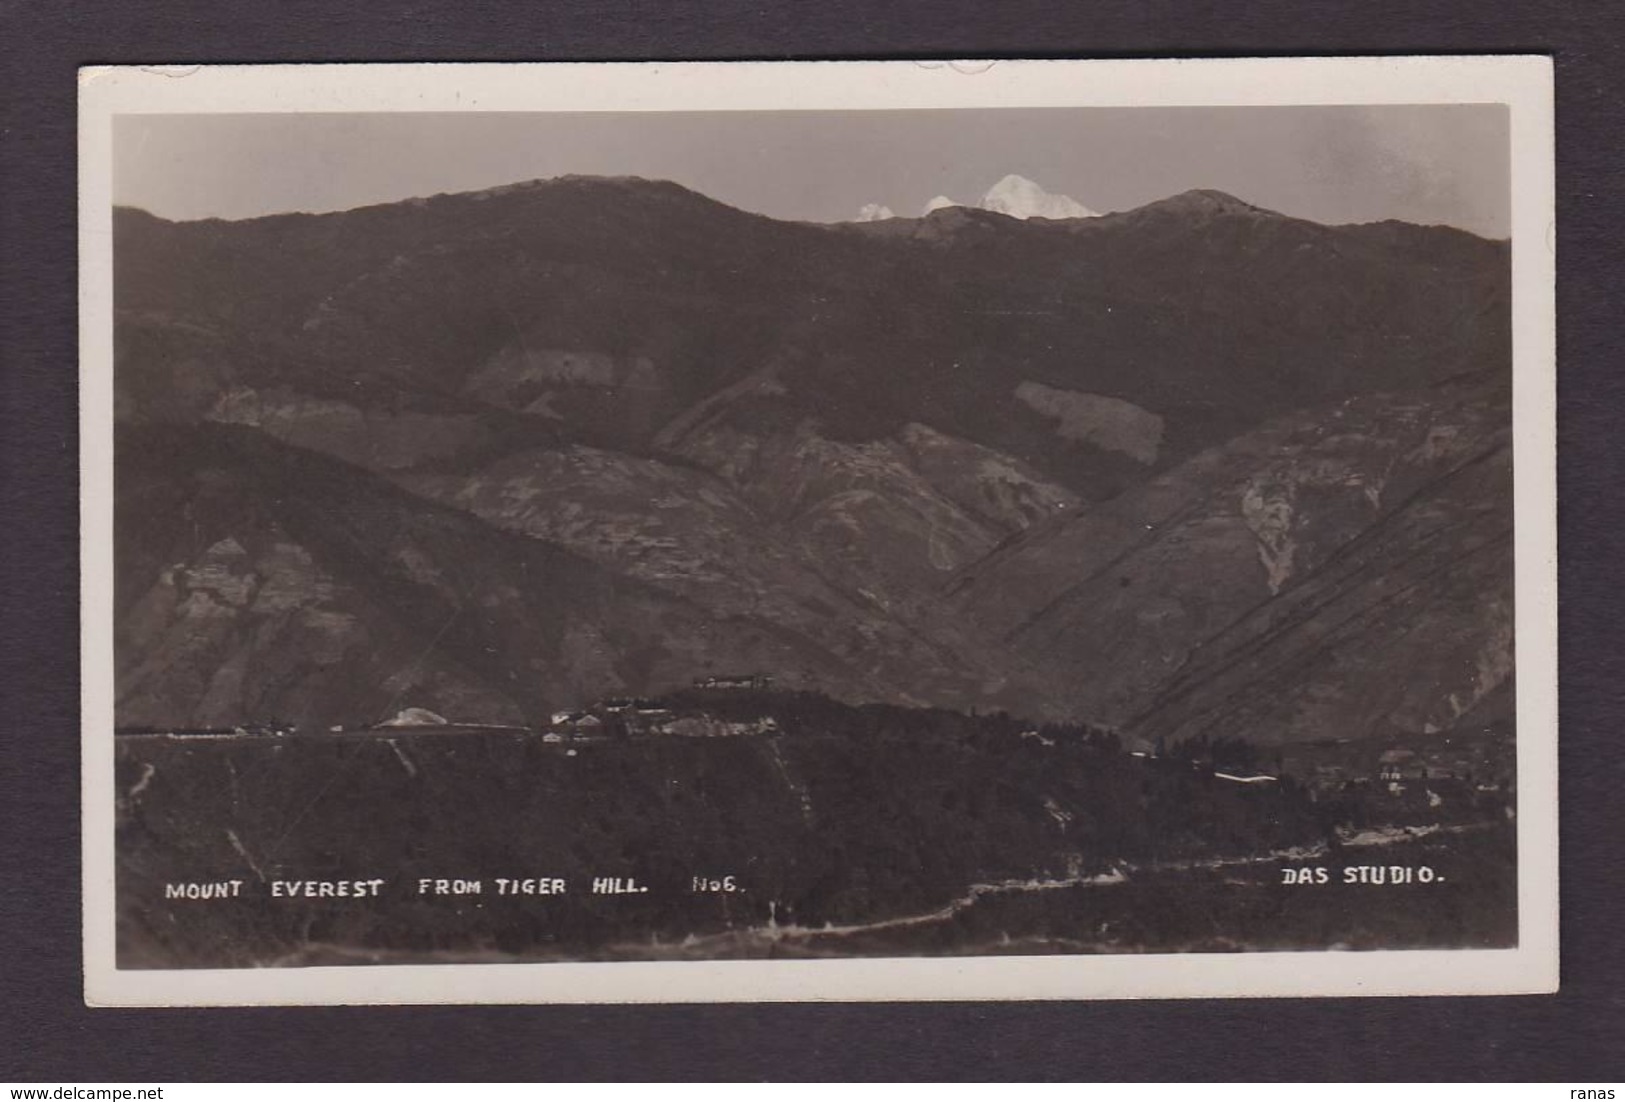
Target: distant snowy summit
(1019,197)
(1015,196)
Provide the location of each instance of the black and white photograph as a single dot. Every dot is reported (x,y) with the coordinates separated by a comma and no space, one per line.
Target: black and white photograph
(778,531)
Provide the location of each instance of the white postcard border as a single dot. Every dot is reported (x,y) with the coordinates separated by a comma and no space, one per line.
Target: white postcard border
(1524,83)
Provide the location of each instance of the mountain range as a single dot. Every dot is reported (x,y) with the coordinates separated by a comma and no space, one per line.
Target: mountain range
(1195,468)
(1013,195)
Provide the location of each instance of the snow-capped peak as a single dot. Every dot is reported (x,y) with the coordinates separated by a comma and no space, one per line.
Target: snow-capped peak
(1019,197)
(1013,196)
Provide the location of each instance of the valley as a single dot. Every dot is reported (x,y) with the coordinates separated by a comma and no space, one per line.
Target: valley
(1192,467)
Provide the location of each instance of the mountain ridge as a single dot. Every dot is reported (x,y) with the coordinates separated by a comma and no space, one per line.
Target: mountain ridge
(869,418)
(1192,199)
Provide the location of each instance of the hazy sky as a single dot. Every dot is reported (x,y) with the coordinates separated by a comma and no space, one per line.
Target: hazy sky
(1426,164)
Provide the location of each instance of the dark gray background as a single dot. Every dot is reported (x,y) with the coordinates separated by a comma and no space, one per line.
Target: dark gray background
(47,1035)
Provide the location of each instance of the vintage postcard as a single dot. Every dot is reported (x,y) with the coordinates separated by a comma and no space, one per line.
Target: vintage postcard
(841,531)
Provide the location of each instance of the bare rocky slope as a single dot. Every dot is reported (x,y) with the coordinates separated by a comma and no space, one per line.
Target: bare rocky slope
(1193,468)
(1344,574)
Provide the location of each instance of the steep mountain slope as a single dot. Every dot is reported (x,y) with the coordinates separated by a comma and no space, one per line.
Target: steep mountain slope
(891,518)
(1270,588)
(686,533)
(257,582)
(496,452)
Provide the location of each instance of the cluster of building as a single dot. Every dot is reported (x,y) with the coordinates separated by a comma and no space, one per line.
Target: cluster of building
(1435,770)
(736,681)
(1399,770)
(598,716)
(630,716)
